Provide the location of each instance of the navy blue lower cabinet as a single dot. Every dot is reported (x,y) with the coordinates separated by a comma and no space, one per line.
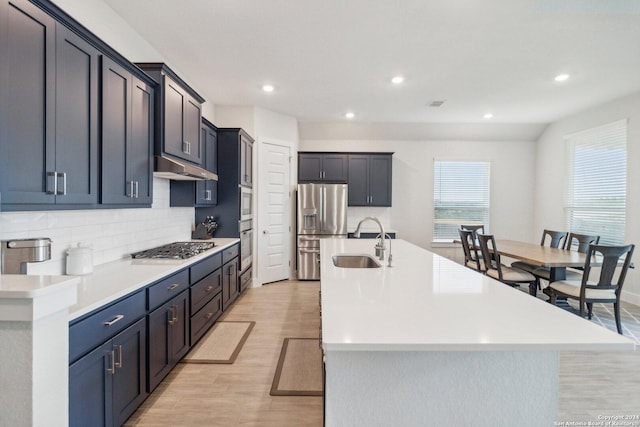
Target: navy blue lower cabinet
(109,383)
(168,337)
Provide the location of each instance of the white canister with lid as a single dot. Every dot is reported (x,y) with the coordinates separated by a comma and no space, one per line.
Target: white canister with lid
(79,260)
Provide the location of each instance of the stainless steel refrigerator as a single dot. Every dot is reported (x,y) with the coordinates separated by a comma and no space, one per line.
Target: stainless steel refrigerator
(322,213)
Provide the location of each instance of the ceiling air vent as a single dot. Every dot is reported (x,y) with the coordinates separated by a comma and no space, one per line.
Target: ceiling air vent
(436,103)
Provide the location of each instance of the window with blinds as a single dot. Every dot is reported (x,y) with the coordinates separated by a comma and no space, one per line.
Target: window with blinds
(460,196)
(597,182)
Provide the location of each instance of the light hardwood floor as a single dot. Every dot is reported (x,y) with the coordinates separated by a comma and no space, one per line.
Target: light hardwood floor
(238,394)
(592,384)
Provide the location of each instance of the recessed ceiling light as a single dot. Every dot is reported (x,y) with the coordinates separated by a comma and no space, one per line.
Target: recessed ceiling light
(397,80)
(268,88)
(349,115)
(488,116)
(561,77)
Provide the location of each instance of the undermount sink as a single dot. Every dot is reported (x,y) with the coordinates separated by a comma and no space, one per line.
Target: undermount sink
(355,261)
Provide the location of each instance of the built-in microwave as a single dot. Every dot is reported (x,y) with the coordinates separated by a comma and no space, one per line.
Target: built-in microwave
(246,204)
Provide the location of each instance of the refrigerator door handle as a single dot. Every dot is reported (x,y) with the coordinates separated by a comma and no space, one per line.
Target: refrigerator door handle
(323,201)
(309,251)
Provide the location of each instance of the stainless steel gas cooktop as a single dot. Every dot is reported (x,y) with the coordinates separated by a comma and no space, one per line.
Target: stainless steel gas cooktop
(176,250)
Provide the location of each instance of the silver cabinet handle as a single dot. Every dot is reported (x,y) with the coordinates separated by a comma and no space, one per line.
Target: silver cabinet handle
(186,147)
(62,175)
(118,364)
(207,194)
(136,189)
(112,364)
(208,316)
(209,289)
(174,310)
(172,287)
(131,191)
(173,315)
(116,319)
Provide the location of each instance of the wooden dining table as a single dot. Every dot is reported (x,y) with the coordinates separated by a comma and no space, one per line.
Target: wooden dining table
(557,260)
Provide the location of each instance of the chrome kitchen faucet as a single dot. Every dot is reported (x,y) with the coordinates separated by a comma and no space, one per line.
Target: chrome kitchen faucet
(381,247)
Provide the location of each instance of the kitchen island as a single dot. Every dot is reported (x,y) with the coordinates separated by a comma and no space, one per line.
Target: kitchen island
(430,342)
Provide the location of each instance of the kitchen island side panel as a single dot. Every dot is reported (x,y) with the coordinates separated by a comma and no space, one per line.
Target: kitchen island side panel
(441,388)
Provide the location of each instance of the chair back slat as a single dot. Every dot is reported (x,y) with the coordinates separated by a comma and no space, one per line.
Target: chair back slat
(609,257)
(557,238)
(582,241)
(490,256)
(469,247)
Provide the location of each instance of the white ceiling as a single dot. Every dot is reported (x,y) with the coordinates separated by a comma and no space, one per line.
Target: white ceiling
(329,56)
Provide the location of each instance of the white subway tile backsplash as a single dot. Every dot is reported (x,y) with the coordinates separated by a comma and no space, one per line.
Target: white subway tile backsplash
(112,233)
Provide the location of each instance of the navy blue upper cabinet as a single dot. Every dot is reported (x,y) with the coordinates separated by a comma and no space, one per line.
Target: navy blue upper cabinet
(370,179)
(178,115)
(51,110)
(48,109)
(127,136)
(200,193)
(322,167)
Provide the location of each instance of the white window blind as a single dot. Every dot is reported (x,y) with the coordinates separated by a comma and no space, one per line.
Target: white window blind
(460,196)
(597,184)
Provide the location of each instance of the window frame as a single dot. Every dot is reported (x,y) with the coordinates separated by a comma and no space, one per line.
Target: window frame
(486,189)
(577,208)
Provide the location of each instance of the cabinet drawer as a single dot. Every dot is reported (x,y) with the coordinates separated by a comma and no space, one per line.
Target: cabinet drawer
(205,289)
(103,325)
(167,288)
(202,320)
(229,254)
(204,267)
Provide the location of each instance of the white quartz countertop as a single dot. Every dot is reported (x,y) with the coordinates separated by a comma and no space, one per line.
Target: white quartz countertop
(21,286)
(113,280)
(107,283)
(425,302)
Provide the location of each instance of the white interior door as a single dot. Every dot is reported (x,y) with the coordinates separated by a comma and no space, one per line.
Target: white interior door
(274,219)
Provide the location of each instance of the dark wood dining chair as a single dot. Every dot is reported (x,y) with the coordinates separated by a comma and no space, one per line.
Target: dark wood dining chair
(471,256)
(607,289)
(495,269)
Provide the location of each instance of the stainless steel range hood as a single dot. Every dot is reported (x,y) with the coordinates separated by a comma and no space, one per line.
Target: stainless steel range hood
(168,168)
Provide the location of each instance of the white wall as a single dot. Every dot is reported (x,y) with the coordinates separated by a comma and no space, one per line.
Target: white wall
(112,233)
(552,165)
(411,214)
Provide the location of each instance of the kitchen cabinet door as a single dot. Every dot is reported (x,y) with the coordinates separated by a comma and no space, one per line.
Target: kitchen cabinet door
(358,180)
(108,384)
(309,167)
(76,119)
(140,158)
(229,283)
(334,168)
(380,180)
(246,161)
(91,389)
(182,116)
(207,191)
(168,337)
(127,137)
(27,103)
(129,380)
